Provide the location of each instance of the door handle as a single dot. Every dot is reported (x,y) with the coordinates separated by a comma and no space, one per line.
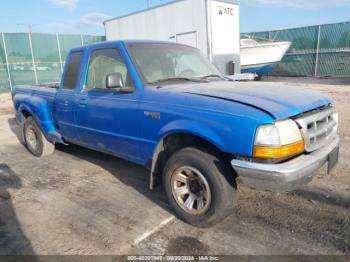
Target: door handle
(82,102)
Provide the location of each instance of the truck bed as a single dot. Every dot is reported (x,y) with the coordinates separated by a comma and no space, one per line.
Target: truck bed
(55,85)
(41,90)
(50,85)
(36,93)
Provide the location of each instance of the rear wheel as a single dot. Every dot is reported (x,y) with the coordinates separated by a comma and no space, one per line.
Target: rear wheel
(34,139)
(200,186)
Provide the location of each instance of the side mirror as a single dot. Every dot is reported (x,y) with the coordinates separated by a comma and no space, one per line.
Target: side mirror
(114,81)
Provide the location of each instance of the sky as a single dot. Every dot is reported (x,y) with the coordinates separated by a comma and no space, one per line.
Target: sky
(86,16)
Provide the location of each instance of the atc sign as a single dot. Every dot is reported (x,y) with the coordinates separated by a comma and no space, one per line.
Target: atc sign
(225,11)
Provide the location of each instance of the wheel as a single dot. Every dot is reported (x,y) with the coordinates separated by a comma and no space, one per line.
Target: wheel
(34,139)
(200,186)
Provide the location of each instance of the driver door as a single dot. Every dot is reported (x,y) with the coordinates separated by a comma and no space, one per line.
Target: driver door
(105,117)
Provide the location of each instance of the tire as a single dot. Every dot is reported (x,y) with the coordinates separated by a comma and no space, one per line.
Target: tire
(195,164)
(35,141)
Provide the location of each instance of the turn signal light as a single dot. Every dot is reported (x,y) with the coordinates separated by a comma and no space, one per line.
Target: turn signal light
(279,152)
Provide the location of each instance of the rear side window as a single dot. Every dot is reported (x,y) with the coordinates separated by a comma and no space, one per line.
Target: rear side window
(72,71)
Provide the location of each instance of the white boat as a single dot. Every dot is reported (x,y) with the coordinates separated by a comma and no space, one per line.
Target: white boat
(261,56)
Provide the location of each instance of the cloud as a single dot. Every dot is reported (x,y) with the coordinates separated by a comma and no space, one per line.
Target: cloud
(302,3)
(89,23)
(71,4)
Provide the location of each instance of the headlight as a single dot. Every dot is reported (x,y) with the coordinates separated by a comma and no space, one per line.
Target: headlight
(280,140)
(267,135)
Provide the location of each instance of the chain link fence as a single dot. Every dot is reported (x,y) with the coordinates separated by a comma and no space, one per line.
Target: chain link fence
(322,50)
(36,58)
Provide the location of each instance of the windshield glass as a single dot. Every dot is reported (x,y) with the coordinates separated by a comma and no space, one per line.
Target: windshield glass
(159,62)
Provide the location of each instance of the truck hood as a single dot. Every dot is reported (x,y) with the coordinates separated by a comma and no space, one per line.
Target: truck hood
(281,102)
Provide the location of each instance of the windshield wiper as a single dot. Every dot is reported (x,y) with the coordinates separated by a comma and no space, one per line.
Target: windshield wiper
(197,80)
(212,76)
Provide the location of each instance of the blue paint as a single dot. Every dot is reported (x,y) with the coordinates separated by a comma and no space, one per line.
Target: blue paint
(226,114)
(260,70)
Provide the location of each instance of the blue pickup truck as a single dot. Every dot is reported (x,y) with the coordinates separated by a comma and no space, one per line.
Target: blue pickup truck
(166,107)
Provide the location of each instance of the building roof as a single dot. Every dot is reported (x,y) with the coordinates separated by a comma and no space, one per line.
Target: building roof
(162,5)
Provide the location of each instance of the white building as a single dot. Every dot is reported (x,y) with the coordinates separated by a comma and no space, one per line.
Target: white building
(210,25)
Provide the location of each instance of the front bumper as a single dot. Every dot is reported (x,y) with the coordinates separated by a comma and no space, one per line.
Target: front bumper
(286,176)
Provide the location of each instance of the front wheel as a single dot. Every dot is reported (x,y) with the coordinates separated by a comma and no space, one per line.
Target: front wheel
(200,186)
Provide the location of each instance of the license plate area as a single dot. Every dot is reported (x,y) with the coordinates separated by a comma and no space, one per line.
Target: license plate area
(333,159)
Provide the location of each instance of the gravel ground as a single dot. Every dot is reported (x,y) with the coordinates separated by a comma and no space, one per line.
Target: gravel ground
(79,201)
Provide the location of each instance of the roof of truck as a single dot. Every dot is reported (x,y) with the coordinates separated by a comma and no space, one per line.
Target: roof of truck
(102,44)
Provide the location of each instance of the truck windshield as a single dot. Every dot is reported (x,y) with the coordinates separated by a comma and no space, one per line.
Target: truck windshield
(166,63)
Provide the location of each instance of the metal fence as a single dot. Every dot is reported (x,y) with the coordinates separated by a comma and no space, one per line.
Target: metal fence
(322,50)
(36,58)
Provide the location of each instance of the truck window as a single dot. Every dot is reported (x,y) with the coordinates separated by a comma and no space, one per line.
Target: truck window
(160,61)
(102,63)
(72,71)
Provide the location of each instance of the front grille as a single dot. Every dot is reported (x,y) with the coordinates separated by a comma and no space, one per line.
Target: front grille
(318,128)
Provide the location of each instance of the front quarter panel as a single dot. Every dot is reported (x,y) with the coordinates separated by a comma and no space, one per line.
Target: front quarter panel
(227,125)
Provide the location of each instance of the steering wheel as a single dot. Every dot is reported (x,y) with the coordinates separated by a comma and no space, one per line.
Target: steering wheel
(187,72)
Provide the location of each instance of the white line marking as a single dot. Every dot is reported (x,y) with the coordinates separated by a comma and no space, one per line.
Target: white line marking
(148,233)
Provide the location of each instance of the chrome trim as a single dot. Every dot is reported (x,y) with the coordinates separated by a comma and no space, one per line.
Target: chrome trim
(318,128)
(286,176)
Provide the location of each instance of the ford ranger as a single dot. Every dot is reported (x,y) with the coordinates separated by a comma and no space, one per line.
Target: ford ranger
(166,107)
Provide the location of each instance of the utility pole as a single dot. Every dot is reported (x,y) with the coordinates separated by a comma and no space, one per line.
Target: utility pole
(149,3)
(28,26)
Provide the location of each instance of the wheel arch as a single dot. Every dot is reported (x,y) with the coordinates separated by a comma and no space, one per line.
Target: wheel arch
(23,113)
(174,141)
(43,120)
